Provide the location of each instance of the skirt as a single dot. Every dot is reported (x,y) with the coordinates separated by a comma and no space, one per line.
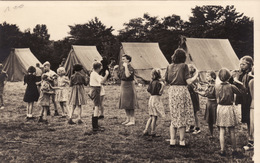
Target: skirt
(181,108)
(155,106)
(62,95)
(44,99)
(211,111)
(128,98)
(77,96)
(31,93)
(226,116)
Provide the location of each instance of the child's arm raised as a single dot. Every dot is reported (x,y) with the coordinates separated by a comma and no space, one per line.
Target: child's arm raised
(105,77)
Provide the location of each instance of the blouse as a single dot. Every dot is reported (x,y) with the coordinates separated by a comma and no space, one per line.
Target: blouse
(122,75)
(78,79)
(177,74)
(225,93)
(154,87)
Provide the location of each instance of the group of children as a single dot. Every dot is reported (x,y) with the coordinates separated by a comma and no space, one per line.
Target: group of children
(220,109)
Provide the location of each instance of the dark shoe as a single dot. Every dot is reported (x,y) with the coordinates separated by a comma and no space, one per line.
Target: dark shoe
(145,133)
(101,117)
(98,129)
(155,135)
(80,122)
(40,119)
(71,122)
(222,153)
(56,113)
(27,119)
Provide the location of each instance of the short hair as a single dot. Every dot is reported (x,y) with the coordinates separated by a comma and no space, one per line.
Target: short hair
(224,74)
(97,65)
(156,74)
(31,69)
(61,70)
(77,67)
(44,76)
(128,57)
(248,59)
(179,56)
(46,63)
(213,75)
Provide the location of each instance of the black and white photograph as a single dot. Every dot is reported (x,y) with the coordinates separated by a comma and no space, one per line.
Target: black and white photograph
(129,81)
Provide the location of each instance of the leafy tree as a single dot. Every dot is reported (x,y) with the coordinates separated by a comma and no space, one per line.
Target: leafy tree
(94,32)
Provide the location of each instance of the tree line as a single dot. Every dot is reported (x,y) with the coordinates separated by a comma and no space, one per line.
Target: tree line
(205,22)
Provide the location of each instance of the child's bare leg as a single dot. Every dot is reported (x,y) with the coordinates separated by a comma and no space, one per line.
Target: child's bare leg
(45,112)
(233,137)
(80,111)
(31,110)
(54,103)
(148,123)
(62,107)
(101,106)
(222,138)
(153,126)
(173,132)
(72,111)
(96,108)
(65,108)
(27,109)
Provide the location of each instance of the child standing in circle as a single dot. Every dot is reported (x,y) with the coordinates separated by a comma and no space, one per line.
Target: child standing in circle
(31,93)
(77,96)
(44,99)
(63,92)
(211,106)
(226,116)
(195,101)
(155,104)
(3,78)
(95,83)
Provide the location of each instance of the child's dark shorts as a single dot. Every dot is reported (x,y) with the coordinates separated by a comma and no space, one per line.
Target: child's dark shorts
(94,95)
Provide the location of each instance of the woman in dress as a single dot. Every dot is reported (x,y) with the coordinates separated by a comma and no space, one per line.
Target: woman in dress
(181,109)
(128,99)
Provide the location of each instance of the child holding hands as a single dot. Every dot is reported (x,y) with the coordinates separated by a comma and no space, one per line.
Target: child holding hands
(62,93)
(155,104)
(77,97)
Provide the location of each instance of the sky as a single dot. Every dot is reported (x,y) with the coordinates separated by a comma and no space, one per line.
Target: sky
(57,15)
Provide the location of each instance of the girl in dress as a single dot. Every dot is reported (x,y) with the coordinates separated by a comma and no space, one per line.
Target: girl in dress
(211,106)
(226,116)
(77,96)
(155,104)
(31,93)
(62,93)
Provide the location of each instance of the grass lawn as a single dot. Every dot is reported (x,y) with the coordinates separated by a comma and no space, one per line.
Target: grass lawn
(22,141)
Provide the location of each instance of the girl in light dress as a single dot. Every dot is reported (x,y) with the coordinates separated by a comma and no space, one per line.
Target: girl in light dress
(62,93)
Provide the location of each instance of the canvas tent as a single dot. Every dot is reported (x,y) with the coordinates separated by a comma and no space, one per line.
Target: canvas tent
(145,57)
(85,55)
(17,63)
(210,54)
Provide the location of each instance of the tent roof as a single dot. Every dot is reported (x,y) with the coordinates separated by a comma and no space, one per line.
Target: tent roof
(145,55)
(17,63)
(211,54)
(86,55)
(26,57)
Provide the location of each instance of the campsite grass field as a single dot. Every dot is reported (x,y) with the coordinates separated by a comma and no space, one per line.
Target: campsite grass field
(22,141)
